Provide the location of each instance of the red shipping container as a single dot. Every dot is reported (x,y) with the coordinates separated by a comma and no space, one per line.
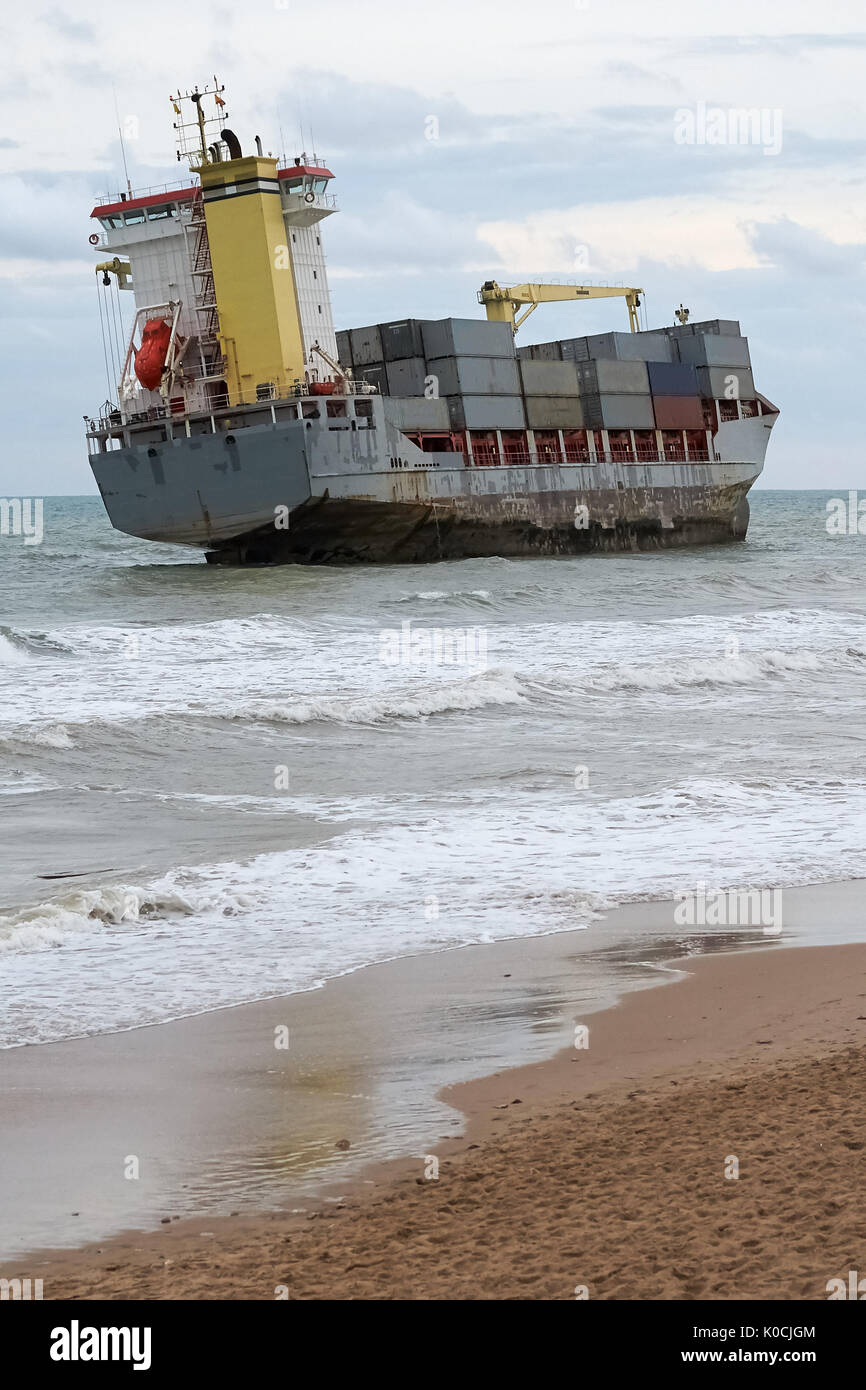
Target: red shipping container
(678,412)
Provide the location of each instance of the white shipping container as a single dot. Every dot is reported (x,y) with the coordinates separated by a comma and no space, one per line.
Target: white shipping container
(487,412)
(417,413)
(715,350)
(554,413)
(467,337)
(726,383)
(630,347)
(627,412)
(475,376)
(622,378)
(549,379)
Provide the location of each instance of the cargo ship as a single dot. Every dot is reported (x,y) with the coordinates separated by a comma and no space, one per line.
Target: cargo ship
(238,420)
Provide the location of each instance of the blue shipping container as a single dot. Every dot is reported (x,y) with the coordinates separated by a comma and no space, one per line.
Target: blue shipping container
(672,379)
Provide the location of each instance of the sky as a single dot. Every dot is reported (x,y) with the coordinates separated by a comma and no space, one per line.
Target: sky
(570,139)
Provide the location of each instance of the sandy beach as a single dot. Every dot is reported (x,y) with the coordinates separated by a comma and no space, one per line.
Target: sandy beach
(704,1140)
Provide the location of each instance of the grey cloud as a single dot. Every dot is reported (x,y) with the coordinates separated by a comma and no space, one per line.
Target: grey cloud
(62,23)
(768,45)
(800,251)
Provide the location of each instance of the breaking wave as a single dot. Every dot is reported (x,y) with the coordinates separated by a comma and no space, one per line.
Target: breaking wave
(488,688)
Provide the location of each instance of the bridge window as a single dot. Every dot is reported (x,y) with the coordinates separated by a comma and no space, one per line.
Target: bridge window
(132,218)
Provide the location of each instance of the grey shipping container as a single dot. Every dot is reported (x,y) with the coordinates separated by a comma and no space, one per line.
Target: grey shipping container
(466,338)
(344,347)
(607,375)
(401,338)
(574,349)
(554,412)
(486,412)
(672,379)
(726,383)
(475,376)
(366,346)
(630,347)
(417,413)
(406,377)
(546,352)
(549,379)
(375,375)
(729,328)
(527,354)
(622,412)
(715,350)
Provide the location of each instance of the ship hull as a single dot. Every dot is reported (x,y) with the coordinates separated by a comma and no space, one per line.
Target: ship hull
(356,531)
(292,493)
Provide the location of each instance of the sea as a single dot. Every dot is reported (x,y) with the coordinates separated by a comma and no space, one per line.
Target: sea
(220,785)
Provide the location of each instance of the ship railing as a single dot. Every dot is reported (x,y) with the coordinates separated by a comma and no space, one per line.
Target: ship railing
(105,199)
(262,405)
(321,200)
(557,458)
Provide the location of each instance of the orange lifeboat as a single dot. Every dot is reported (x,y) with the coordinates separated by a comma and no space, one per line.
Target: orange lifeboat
(150,357)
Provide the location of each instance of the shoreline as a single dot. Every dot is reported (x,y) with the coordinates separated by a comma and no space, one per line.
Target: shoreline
(627,1047)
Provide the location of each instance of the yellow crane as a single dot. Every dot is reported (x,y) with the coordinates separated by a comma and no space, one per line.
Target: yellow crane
(503,302)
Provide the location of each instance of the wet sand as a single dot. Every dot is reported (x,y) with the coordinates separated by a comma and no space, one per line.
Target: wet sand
(603,1168)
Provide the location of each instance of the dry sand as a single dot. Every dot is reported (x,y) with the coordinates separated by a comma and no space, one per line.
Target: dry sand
(602,1169)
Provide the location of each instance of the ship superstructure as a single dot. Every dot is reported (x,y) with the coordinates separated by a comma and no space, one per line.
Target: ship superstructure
(245,425)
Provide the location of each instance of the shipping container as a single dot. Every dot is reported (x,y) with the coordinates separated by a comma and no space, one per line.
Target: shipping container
(678,412)
(486,412)
(475,376)
(726,383)
(344,347)
(672,378)
(526,354)
(608,376)
(375,375)
(554,412)
(549,379)
(366,346)
(573,349)
(401,338)
(713,350)
(546,352)
(417,413)
(729,328)
(466,338)
(630,347)
(406,377)
(626,412)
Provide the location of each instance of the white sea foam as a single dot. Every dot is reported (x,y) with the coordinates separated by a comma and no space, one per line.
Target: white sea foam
(494,867)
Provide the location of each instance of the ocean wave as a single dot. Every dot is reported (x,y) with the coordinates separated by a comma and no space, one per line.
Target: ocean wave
(45,736)
(489,688)
(16,644)
(707,672)
(56,923)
